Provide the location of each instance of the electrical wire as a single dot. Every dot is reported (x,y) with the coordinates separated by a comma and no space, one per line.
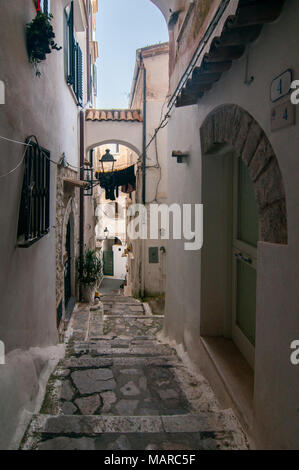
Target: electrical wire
(16,167)
(26,144)
(40,149)
(15,141)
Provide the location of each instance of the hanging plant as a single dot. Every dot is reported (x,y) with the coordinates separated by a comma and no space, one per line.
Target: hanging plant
(40,39)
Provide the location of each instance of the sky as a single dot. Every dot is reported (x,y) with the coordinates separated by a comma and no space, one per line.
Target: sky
(123,26)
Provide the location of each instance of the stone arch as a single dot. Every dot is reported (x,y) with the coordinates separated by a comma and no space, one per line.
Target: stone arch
(231,124)
(116,141)
(70,212)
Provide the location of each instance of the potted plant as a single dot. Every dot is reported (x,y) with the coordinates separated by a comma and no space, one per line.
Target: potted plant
(40,39)
(89,269)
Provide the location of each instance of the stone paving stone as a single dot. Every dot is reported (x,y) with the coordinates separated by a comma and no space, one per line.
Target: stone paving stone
(168,394)
(142,382)
(66,443)
(122,443)
(61,373)
(130,390)
(108,398)
(131,371)
(88,362)
(93,380)
(67,392)
(137,308)
(68,408)
(88,405)
(127,407)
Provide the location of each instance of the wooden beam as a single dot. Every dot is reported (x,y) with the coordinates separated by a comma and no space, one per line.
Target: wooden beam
(215,67)
(262,12)
(73,182)
(240,36)
(199,77)
(221,54)
(197,87)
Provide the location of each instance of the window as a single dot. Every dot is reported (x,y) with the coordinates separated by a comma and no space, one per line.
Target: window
(73,55)
(34,215)
(44,6)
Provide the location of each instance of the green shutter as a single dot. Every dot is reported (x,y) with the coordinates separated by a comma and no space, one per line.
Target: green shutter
(79,74)
(72,48)
(46,7)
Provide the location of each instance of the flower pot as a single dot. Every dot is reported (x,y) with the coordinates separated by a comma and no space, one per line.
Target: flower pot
(88,293)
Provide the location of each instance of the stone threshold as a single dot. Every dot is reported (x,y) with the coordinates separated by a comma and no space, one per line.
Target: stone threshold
(95,425)
(140,317)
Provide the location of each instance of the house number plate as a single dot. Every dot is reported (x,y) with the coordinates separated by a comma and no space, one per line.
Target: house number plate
(281,85)
(282,115)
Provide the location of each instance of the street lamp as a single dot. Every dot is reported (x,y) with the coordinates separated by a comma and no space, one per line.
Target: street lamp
(107,159)
(106,232)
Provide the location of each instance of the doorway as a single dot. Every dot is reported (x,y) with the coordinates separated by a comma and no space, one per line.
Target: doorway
(244,261)
(229,255)
(69,299)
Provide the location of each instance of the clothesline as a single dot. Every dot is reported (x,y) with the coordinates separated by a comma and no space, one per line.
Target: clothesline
(117,169)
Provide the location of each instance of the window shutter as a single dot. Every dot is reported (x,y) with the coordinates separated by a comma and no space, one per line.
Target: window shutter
(46,7)
(79,75)
(66,45)
(72,48)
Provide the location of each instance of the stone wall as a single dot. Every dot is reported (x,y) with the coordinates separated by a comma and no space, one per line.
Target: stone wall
(233,125)
(67,205)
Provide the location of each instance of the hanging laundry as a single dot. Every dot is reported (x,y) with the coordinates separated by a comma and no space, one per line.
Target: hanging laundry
(111,181)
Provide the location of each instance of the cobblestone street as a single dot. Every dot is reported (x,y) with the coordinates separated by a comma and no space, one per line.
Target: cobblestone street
(119,387)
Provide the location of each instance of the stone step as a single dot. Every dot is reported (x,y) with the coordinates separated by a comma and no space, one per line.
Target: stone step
(130,351)
(84,425)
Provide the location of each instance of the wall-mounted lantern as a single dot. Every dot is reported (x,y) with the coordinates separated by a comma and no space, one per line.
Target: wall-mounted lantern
(106,232)
(180,155)
(108,160)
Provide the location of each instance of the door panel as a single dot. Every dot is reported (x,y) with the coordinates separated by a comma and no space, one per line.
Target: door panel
(244,262)
(246,300)
(108,263)
(247,208)
(67,267)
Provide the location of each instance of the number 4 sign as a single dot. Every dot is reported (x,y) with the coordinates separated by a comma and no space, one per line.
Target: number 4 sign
(282,115)
(281,86)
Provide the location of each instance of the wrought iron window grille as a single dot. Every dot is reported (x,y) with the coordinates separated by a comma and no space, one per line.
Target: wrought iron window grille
(34,213)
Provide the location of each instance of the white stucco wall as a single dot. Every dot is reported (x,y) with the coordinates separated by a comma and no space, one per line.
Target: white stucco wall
(46,108)
(276,380)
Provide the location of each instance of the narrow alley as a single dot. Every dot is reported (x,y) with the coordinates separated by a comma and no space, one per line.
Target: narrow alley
(149,242)
(120,388)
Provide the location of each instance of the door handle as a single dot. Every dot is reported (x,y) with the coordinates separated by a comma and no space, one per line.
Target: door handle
(243,258)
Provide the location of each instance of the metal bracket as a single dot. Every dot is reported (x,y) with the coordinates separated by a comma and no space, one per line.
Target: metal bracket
(180,155)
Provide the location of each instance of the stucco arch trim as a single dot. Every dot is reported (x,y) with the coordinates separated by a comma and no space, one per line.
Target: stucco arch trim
(231,124)
(115,141)
(70,214)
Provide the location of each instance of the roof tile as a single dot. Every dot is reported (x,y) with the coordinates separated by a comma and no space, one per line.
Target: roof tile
(113,115)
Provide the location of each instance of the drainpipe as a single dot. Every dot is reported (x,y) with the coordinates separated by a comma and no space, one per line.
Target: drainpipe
(82,152)
(144,137)
(143,244)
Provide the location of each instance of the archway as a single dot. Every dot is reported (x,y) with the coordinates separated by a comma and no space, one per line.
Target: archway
(244,202)
(115,141)
(68,257)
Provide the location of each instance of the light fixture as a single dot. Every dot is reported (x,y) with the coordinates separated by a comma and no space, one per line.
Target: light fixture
(106,232)
(108,160)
